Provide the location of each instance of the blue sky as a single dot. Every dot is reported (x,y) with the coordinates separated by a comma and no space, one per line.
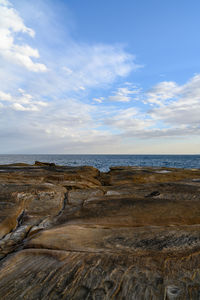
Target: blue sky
(100,76)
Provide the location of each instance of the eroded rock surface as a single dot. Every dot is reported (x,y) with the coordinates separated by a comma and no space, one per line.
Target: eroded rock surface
(76,233)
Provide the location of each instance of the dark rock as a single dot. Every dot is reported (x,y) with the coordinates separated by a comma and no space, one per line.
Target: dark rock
(41,164)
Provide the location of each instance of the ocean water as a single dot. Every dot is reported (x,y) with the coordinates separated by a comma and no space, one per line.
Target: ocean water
(103,162)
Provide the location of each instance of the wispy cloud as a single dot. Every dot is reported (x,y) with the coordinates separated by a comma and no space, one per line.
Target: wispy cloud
(125,94)
(11,49)
(84,67)
(99,100)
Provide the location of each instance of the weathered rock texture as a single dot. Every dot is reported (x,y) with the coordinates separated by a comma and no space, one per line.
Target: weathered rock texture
(76,233)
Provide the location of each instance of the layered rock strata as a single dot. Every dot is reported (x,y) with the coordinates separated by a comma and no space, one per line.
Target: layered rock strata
(76,233)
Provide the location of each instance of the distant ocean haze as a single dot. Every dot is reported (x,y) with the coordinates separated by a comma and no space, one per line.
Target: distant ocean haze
(104,162)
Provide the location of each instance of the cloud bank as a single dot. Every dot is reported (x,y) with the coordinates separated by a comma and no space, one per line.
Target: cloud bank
(75,97)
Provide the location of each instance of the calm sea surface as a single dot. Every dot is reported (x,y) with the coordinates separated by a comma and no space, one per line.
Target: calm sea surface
(103,162)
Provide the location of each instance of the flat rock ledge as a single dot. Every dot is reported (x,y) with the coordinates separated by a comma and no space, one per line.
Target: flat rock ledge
(77,233)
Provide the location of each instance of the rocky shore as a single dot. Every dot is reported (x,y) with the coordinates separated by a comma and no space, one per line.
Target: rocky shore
(76,233)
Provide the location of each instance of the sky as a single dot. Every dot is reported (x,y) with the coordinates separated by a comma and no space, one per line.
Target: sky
(99,77)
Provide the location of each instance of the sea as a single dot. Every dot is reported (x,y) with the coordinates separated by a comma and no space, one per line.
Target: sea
(104,162)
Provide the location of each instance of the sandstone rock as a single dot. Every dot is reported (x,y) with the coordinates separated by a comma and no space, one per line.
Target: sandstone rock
(76,233)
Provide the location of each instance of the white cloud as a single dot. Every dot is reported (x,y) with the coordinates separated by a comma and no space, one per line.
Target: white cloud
(130,120)
(10,25)
(64,123)
(82,88)
(183,105)
(74,125)
(163,91)
(174,113)
(124,94)
(22,102)
(68,118)
(5,96)
(99,100)
(68,123)
(4,2)
(44,108)
(90,66)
